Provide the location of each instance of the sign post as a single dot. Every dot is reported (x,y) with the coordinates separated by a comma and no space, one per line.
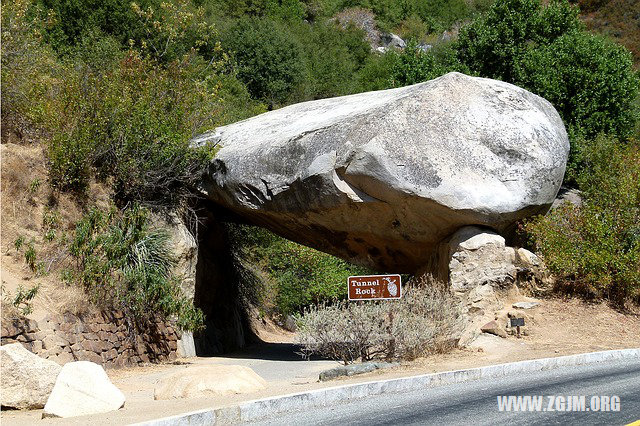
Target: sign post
(375,287)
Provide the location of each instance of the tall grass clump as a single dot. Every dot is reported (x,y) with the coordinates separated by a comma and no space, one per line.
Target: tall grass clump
(124,264)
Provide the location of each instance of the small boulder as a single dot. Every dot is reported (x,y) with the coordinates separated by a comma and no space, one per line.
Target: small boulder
(567,195)
(354,369)
(525,305)
(392,40)
(492,327)
(83,388)
(208,380)
(27,379)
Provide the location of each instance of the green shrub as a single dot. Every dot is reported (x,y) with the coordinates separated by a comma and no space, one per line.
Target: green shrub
(68,21)
(494,44)
(268,57)
(133,124)
(377,72)
(175,29)
(124,264)
(125,116)
(588,79)
(22,302)
(414,66)
(595,248)
(545,49)
(425,320)
(332,57)
(29,70)
(288,10)
(30,257)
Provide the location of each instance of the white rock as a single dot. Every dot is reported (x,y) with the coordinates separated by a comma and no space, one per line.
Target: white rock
(525,305)
(27,379)
(393,40)
(186,345)
(528,258)
(475,257)
(382,178)
(184,250)
(83,388)
(208,380)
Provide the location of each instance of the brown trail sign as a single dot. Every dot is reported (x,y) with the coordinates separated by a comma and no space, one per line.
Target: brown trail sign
(375,287)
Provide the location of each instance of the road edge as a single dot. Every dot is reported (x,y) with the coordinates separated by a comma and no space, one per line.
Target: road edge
(267,407)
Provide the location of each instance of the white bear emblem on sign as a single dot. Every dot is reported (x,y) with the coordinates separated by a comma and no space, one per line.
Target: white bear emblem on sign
(392,287)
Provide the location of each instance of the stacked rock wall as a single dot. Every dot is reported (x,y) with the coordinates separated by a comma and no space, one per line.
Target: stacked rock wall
(101,338)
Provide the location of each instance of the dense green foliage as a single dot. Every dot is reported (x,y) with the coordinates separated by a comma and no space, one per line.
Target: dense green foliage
(133,123)
(545,49)
(126,265)
(494,44)
(269,62)
(302,276)
(413,65)
(588,79)
(68,21)
(595,248)
(116,90)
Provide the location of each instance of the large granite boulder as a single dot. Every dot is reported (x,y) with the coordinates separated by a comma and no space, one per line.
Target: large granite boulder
(27,379)
(381,178)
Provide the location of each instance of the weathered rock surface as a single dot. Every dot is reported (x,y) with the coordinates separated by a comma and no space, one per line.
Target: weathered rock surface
(567,195)
(202,381)
(525,305)
(393,40)
(184,250)
(354,369)
(483,272)
(83,388)
(27,379)
(381,178)
(492,327)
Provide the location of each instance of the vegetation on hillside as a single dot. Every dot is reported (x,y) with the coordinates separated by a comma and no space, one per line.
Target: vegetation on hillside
(595,248)
(116,90)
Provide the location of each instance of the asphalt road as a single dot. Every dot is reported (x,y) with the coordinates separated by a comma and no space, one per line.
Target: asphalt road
(476,402)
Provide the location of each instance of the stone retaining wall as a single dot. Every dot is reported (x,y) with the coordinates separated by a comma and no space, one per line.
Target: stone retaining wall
(101,338)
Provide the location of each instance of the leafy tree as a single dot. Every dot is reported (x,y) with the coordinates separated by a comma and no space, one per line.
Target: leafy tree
(414,65)
(494,44)
(269,58)
(588,79)
(545,49)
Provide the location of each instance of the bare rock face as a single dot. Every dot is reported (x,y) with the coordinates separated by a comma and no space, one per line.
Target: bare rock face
(184,250)
(483,272)
(27,379)
(381,178)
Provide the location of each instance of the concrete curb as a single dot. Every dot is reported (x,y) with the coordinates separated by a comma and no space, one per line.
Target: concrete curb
(262,408)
